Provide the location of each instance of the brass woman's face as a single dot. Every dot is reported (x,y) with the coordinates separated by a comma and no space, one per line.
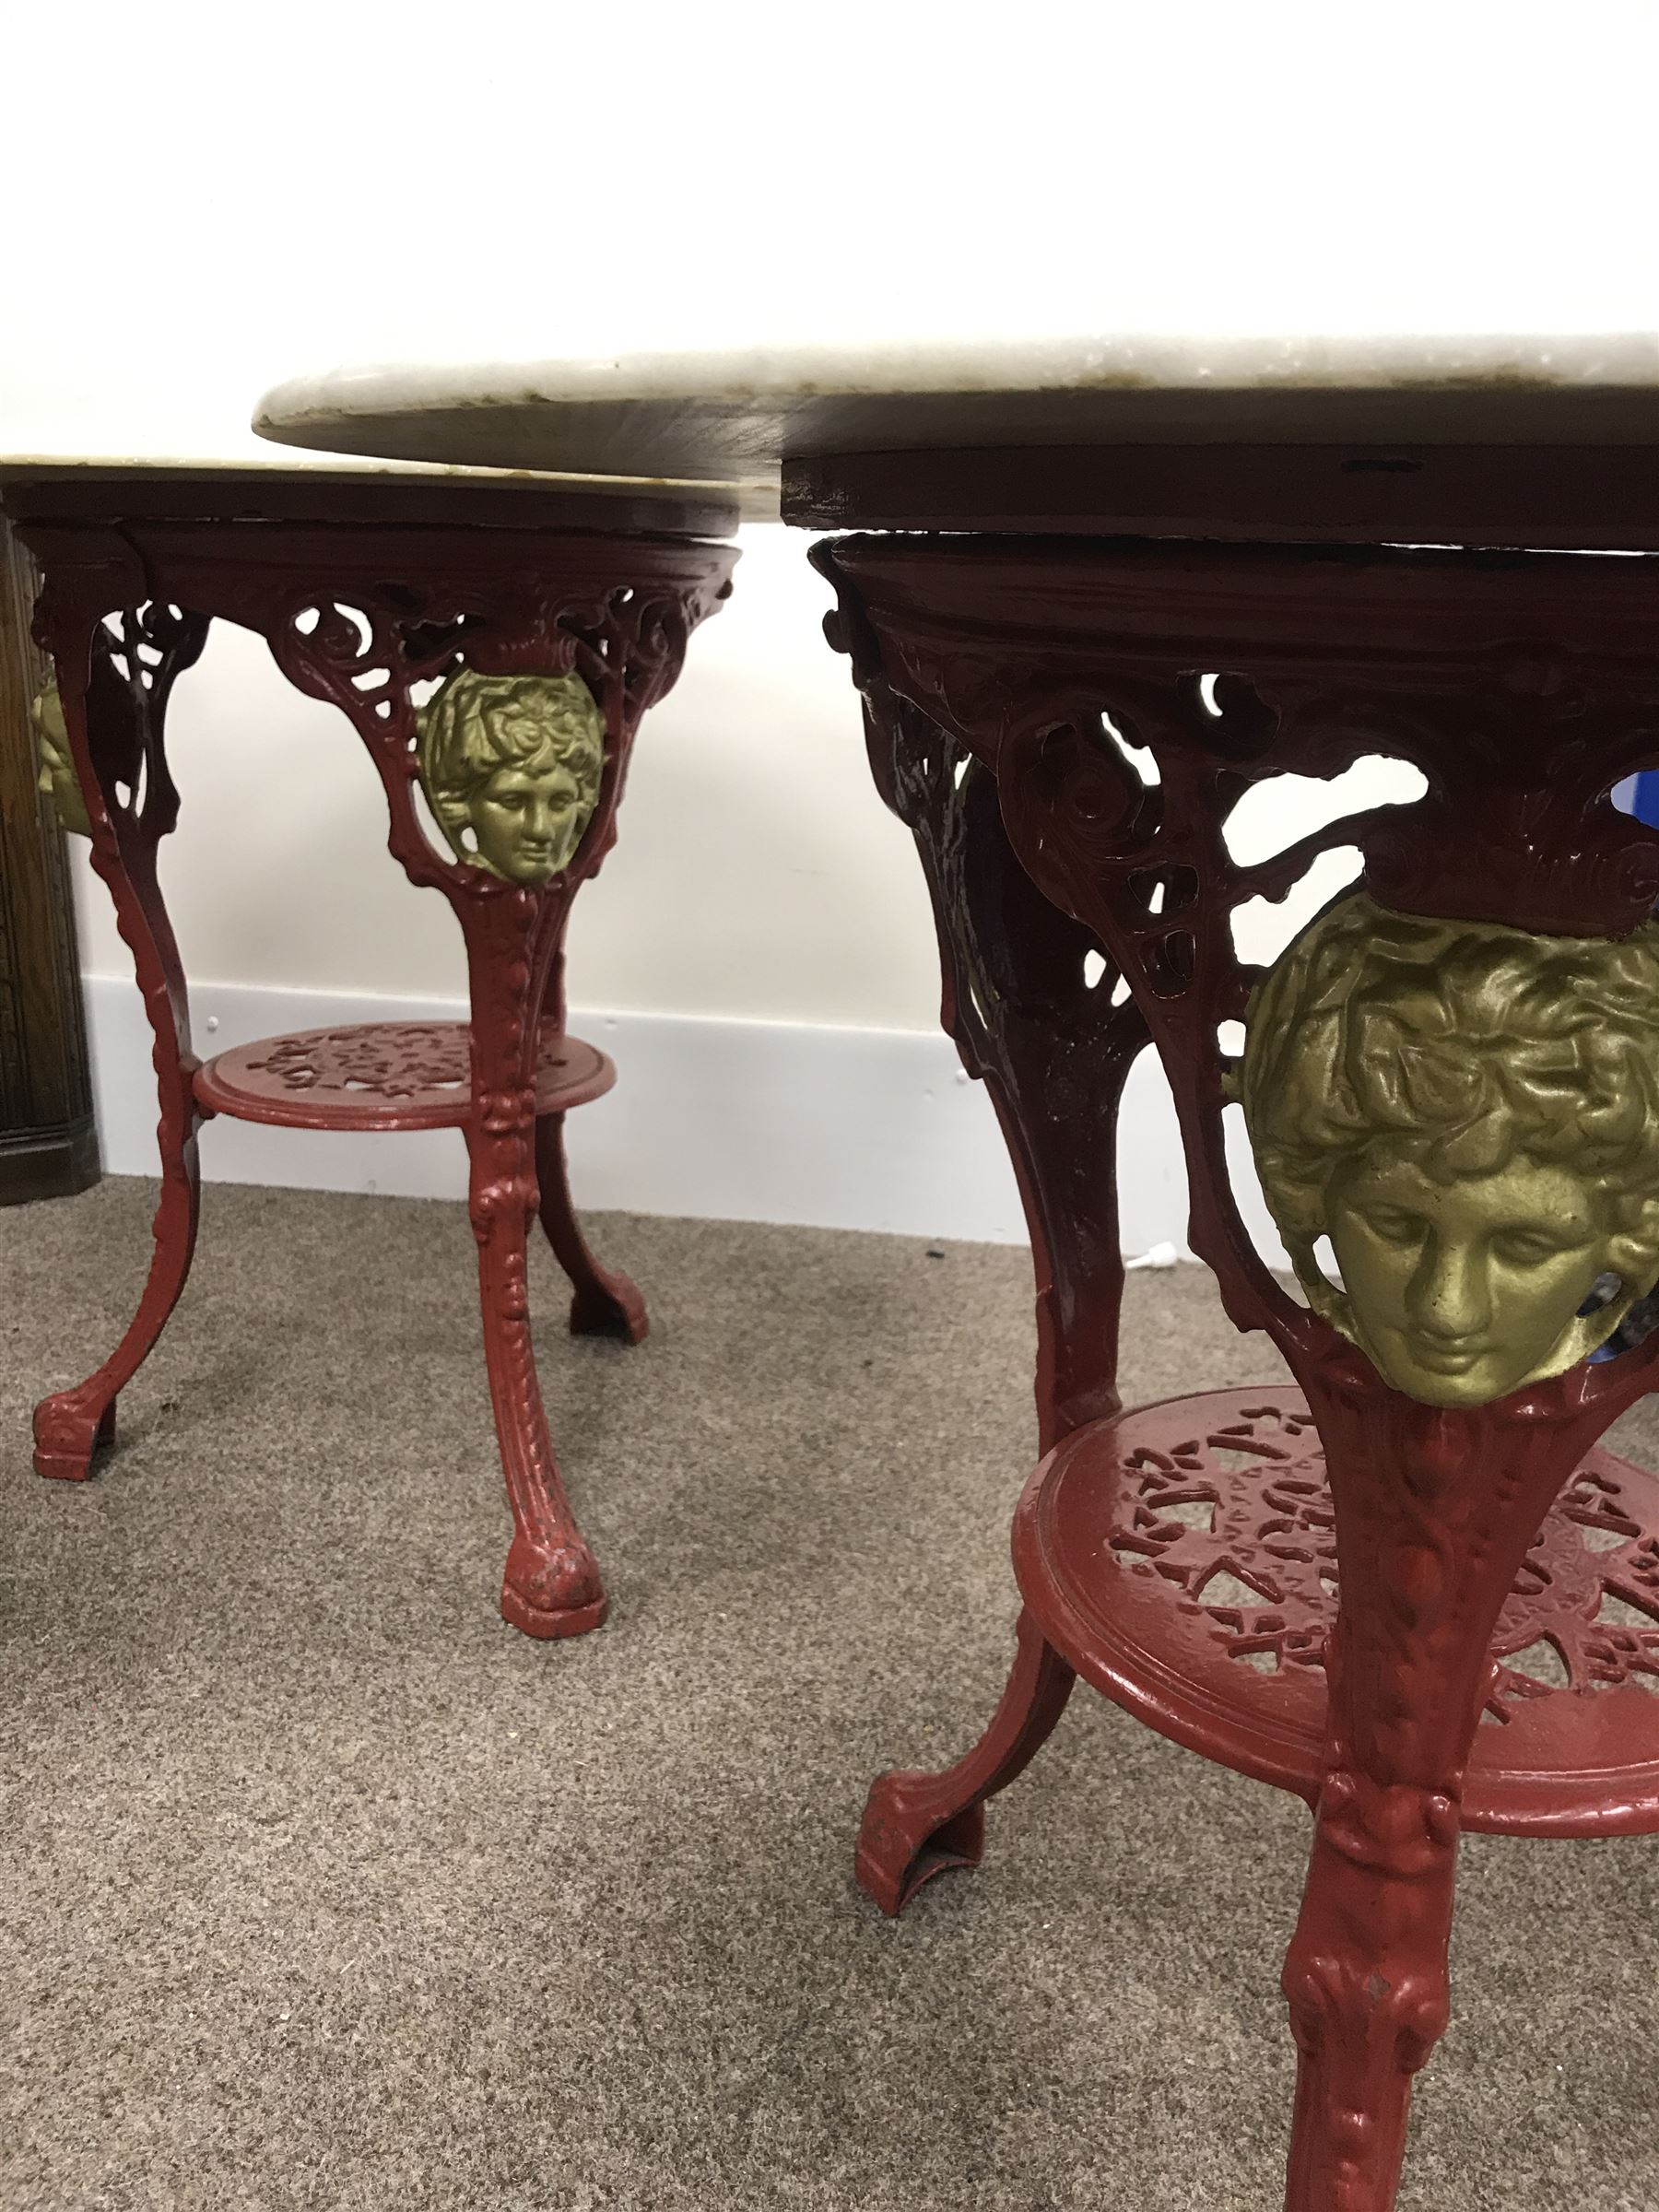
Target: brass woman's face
(1461,1291)
(58,779)
(528,818)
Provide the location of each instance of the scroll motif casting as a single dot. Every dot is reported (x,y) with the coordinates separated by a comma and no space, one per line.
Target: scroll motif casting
(1032,1021)
(1471,1112)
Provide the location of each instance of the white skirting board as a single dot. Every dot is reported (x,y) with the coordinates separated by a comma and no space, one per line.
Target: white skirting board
(745,1121)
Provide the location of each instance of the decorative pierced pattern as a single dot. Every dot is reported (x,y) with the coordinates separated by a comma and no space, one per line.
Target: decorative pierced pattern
(1239,1517)
(1125,699)
(1596,1605)
(392,1074)
(394,1060)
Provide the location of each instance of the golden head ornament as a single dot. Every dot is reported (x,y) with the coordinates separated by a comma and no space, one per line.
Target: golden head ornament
(512,766)
(1470,1112)
(58,779)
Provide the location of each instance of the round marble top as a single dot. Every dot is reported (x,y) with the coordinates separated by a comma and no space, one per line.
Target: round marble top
(736,416)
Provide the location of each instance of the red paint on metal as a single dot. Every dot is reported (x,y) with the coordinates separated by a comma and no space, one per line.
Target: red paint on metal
(1104,707)
(1123,1526)
(384,1075)
(358,608)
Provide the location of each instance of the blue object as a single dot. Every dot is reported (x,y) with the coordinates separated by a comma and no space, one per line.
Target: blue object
(1642,799)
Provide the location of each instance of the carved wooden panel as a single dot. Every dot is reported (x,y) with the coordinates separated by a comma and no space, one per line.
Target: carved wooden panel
(48,1139)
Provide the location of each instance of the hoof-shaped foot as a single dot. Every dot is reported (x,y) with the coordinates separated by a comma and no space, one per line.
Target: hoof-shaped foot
(66,1434)
(614,1310)
(552,1590)
(908,1835)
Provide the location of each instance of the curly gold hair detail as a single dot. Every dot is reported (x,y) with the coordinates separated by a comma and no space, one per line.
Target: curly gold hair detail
(546,730)
(58,780)
(1458,1047)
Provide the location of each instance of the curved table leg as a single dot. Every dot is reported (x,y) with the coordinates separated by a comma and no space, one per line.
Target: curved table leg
(551,1584)
(1028,1022)
(72,1424)
(915,1825)
(1367,1983)
(605,1303)
(1435,1513)
(551,1587)
(114,727)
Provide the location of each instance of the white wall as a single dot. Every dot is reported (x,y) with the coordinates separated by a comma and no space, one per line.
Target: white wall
(227,196)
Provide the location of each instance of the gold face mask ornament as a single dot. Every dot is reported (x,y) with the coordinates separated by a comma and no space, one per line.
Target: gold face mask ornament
(57,779)
(510,766)
(1471,1114)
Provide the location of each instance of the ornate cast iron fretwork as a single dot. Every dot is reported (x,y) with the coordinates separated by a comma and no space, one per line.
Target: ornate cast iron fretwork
(1195,1546)
(393,1061)
(515,632)
(384,1075)
(1029,1000)
(1123,699)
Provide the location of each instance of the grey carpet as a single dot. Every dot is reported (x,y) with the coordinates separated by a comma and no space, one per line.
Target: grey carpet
(322,1888)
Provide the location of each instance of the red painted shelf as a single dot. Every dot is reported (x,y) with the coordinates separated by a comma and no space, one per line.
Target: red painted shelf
(383,1074)
(1182,1557)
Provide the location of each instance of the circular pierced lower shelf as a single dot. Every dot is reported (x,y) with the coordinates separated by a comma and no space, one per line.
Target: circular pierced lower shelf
(383,1074)
(1182,1557)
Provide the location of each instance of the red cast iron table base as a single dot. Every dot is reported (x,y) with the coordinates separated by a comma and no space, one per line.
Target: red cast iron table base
(370,592)
(1419,1618)
(377,1077)
(1181,1558)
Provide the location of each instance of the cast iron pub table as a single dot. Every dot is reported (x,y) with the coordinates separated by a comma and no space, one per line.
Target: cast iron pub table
(492,642)
(1092,593)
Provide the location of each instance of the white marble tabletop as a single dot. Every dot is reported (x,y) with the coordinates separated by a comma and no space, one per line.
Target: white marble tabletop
(734,416)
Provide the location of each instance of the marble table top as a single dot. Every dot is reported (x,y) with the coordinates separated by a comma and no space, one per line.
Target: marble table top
(737,417)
